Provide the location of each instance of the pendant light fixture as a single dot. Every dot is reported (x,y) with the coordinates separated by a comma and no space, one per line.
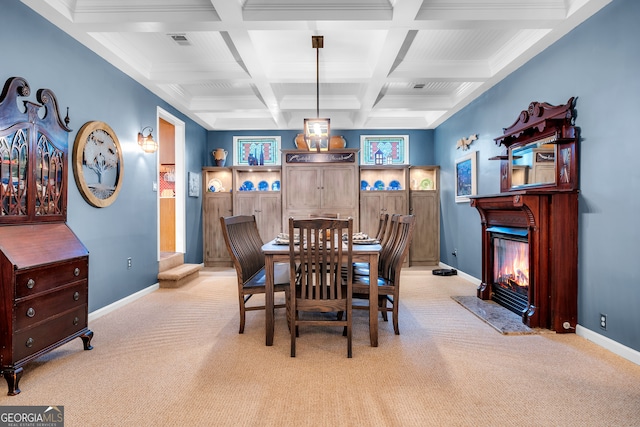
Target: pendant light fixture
(317,131)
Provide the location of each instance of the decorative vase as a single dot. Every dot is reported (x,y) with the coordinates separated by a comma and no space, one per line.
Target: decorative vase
(219,156)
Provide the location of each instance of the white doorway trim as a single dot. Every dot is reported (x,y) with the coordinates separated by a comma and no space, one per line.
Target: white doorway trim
(180,183)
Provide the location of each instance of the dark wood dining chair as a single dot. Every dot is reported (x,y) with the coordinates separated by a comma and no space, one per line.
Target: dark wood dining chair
(244,244)
(362,269)
(316,282)
(396,251)
(382,227)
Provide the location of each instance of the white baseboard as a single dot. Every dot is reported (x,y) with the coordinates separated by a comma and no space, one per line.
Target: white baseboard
(121,303)
(607,343)
(462,274)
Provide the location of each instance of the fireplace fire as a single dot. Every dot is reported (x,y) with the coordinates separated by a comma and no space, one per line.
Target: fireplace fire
(510,286)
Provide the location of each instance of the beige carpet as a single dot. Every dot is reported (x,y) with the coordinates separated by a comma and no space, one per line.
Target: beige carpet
(174,358)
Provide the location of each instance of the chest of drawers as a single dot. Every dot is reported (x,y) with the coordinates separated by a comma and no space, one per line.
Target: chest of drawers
(44,271)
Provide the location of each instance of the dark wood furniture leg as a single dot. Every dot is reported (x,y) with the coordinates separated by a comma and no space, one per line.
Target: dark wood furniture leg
(373,300)
(86,340)
(13,378)
(268,298)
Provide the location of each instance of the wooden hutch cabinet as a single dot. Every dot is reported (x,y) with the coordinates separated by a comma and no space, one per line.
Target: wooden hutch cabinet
(216,202)
(383,189)
(320,182)
(424,203)
(44,268)
(256,191)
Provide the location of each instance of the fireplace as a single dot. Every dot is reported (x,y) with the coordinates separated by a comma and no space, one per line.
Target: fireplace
(510,272)
(530,229)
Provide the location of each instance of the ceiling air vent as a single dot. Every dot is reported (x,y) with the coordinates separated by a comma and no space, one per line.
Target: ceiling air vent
(418,86)
(181,39)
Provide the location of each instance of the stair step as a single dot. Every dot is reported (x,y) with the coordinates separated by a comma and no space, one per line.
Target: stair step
(179,275)
(170,260)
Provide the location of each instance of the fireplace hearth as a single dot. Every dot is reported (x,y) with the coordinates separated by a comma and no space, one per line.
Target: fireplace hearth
(530,229)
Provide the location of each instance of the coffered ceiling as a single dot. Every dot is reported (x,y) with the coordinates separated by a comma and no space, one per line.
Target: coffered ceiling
(249,64)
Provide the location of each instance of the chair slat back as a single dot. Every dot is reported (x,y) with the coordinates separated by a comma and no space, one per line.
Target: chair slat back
(317,260)
(399,248)
(387,245)
(244,244)
(382,227)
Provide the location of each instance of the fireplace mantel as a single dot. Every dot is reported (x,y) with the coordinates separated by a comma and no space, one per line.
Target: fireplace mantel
(550,219)
(540,197)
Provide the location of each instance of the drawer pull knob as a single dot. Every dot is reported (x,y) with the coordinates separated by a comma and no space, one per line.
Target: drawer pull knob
(31,312)
(76,271)
(29,342)
(76,320)
(31,283)
(76,296)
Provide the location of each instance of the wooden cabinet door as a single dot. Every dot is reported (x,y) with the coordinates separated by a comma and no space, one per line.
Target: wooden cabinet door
(246,204)
(267,208)
(425,247)
(370,210)
(374,203)
(215,250)
(338,188)
(303,185)
(270,219)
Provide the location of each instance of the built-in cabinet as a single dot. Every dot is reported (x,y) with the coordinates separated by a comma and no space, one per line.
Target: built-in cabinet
(319,183)
(383,189)
(257,192)
(424,203)
(216,202)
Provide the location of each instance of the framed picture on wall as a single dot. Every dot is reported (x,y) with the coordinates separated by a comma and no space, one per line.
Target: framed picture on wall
(465,173)
(194,184)
(384,149)
(256,150)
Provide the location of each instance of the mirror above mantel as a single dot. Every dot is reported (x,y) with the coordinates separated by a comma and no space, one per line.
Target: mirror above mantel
(540,149)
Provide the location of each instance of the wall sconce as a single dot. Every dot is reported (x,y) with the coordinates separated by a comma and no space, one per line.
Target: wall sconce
(146,142)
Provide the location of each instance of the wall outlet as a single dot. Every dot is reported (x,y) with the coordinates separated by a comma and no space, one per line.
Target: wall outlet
(128,263)
(603,321)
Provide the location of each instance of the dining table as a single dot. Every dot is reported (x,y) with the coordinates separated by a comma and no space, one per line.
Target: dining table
(277,253)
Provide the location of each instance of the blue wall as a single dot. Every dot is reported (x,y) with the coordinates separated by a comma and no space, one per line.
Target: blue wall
(598,63)
(46,57)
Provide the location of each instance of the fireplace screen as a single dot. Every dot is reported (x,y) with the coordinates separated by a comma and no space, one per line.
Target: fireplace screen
(511,270)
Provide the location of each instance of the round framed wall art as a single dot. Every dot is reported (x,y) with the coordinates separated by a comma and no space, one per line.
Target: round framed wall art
(98,165)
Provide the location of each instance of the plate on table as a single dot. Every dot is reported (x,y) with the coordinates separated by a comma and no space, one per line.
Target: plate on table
(283,239)
(426,184)
(378,185)
(247,186)
(364,185)
(263,186)
(275,186)
(214,185)
(367,241)
(395,185)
